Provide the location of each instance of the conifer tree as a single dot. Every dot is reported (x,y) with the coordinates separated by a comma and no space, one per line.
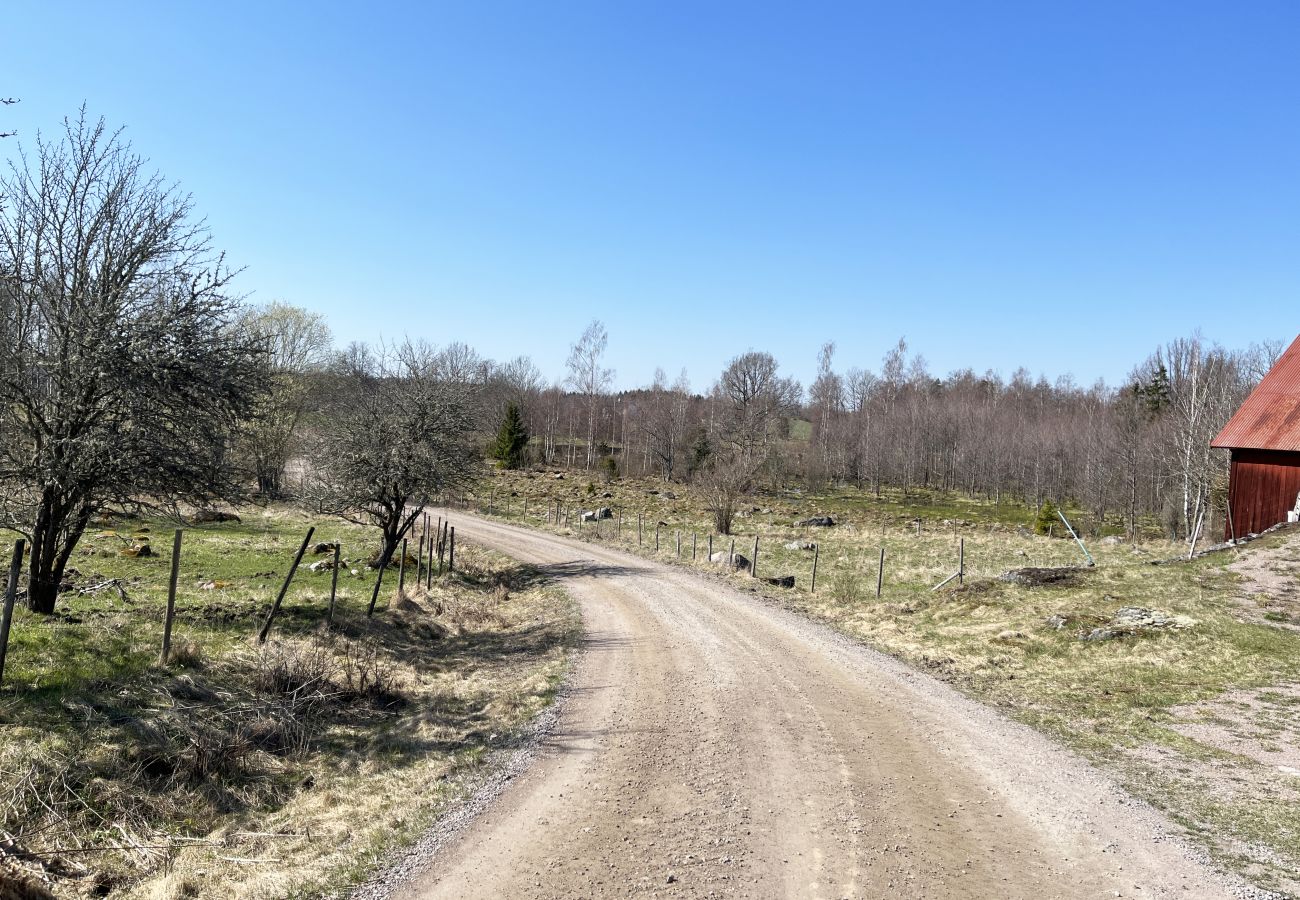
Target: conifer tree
(511,440)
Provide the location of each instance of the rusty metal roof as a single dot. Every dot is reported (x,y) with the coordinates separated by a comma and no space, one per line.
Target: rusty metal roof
(1270,417)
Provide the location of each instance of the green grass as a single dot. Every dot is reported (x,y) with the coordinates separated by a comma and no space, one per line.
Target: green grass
(100,745)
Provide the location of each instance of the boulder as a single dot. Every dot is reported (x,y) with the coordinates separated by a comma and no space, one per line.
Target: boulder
(604,513)
(204,516)
(322,548)
(739,563)
(138,551)
(590,515)
(801,545)
(1035,576)
(668,495)
(784,581)
(816,522)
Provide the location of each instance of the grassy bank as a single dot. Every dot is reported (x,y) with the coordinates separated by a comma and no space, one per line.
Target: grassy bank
(242,770)
(1146,705)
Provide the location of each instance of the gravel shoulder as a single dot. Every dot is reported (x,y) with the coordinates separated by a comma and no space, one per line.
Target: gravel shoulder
(713,744)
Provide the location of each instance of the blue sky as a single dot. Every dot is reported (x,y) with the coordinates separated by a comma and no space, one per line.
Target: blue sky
(1058,186)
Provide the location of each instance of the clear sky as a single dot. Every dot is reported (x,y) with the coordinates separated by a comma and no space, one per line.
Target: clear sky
(1056,185)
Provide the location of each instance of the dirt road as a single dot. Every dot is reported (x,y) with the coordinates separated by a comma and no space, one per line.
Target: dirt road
(715,745)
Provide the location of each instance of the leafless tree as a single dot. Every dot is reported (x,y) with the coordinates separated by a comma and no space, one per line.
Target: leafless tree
(124,374)
(397,434)
(728,478)
(757,402)
(297,344)
(589,378)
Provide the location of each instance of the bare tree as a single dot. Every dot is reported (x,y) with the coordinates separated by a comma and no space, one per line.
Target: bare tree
(124,375)
(397,434)
(297,344)
(757,402)
(727,479)
(589,378)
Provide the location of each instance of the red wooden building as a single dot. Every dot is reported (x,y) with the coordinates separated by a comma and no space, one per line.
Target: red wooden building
(1264,437)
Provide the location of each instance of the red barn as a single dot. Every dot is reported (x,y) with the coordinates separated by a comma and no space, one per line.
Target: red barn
(1264,437)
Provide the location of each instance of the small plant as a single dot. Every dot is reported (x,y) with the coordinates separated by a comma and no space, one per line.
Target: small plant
(609,468)
(1047,518)
(591,488)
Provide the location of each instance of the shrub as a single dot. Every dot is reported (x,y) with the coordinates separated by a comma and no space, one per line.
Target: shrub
(1047,518)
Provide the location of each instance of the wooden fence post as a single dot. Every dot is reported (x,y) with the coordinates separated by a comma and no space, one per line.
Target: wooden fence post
(171,599)
(656,537)
(524,515)
(692,546)
(710,546)
(731,555)
(401,569)
(679,543)
(753,563)
(961,561)
(880,574)
(284,588)
(451,551)
(620,522)
(334,580)
(813,584)
(11,594)
(638,529)
(419,555)
(428,573)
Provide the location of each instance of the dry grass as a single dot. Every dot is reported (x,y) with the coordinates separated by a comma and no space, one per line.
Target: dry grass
(261,771)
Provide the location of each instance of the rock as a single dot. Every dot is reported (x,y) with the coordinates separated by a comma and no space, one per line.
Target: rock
(606,495)
(1132,620)
(203,516)
(604,513)
(1112,539)
(559,476)
(139,551)
(668,495)
(739,563)
(783,581)
(816,522)
(1141,617)
(322,548)
(1010,635)
(1033,576)
(589,516)
(1057,621)
(322,565)
(801,545)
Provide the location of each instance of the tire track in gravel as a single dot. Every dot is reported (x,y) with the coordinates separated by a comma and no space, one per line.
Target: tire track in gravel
(713,744)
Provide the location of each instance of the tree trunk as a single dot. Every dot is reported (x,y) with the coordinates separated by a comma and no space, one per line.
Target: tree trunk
(54,538)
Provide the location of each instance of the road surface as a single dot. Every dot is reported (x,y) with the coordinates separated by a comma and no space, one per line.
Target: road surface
(713,744)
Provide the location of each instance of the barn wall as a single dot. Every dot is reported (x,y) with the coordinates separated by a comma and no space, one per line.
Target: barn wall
(1263,488)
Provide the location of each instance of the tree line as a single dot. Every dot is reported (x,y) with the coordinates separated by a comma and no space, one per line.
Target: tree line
(136,378)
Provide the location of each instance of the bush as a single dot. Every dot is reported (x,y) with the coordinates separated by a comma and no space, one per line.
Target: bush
(1047,519)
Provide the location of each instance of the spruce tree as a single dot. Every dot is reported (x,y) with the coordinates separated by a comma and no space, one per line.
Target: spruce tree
(1046,518)
(512,438)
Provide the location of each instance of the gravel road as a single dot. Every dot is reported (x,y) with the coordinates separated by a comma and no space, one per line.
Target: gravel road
(713,744)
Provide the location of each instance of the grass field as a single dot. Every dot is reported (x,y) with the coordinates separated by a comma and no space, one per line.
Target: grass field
(242,770)
(1135,704)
